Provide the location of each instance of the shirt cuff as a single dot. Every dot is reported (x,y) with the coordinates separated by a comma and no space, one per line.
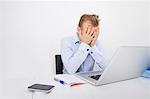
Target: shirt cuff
(85,47)
(94,49)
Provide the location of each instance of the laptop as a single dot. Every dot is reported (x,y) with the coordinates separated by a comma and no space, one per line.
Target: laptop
(128,62)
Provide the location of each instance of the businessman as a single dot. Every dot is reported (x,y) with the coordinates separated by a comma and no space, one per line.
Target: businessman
(81,51)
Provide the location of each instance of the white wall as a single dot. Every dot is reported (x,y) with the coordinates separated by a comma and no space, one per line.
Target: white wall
(0,35)
(0,48)
(33,30)
(149,21)
(149,25)
(134,29)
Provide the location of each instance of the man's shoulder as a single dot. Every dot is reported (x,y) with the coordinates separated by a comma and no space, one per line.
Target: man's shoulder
(68,39)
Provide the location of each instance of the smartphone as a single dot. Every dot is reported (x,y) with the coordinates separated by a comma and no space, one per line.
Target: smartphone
(41,88)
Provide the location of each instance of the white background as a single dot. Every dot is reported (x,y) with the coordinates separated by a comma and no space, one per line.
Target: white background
(149,22)
(30,32)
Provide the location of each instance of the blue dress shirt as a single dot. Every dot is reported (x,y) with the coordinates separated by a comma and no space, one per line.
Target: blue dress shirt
(80,57)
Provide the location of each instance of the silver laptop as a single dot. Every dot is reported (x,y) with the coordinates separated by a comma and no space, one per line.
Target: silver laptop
(128,62)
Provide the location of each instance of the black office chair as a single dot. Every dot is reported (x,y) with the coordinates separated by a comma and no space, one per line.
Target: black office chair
(59,64)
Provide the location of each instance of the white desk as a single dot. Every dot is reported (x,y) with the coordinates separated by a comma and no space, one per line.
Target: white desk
(131,89)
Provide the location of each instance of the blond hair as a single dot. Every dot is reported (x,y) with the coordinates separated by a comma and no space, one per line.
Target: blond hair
(94,19)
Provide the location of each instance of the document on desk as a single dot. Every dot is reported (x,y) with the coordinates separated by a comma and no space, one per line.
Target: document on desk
(69,79)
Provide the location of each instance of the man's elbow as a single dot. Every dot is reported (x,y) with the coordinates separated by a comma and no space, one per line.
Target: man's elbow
(70,67)
(71,71)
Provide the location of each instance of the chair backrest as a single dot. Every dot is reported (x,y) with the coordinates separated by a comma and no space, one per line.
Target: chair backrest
(59,64)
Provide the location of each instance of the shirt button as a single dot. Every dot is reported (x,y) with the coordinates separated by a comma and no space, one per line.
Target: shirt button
(87,49)
(91,52)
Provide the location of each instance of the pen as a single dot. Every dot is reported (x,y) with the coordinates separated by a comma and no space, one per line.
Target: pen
(76,84)
(60,81)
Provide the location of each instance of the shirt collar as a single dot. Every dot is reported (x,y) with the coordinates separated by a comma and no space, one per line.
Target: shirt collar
(76,39)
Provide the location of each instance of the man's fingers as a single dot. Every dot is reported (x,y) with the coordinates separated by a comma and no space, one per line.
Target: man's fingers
(95,36)
(88,30)
(91,33)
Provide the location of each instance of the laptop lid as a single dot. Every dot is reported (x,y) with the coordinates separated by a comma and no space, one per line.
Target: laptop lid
(128,62)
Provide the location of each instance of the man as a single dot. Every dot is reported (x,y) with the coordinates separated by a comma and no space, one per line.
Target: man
(81,51)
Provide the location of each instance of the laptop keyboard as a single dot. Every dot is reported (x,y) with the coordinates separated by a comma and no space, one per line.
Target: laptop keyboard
(96,77)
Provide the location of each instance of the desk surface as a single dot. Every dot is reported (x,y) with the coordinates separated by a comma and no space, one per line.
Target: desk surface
(138,88)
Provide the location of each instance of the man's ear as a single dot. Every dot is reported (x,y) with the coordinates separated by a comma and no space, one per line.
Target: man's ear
(79,29)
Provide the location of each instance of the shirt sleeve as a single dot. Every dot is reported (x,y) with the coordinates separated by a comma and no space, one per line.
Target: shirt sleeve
(97,53)
(72,60)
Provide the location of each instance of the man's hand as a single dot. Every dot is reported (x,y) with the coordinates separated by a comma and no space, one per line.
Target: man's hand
(96,34)
(86,35)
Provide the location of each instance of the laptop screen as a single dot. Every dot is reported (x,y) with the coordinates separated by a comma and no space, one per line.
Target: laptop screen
(96,77)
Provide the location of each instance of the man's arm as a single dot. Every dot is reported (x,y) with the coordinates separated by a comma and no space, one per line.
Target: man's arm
(98,54)
(73,60)
(97,51)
